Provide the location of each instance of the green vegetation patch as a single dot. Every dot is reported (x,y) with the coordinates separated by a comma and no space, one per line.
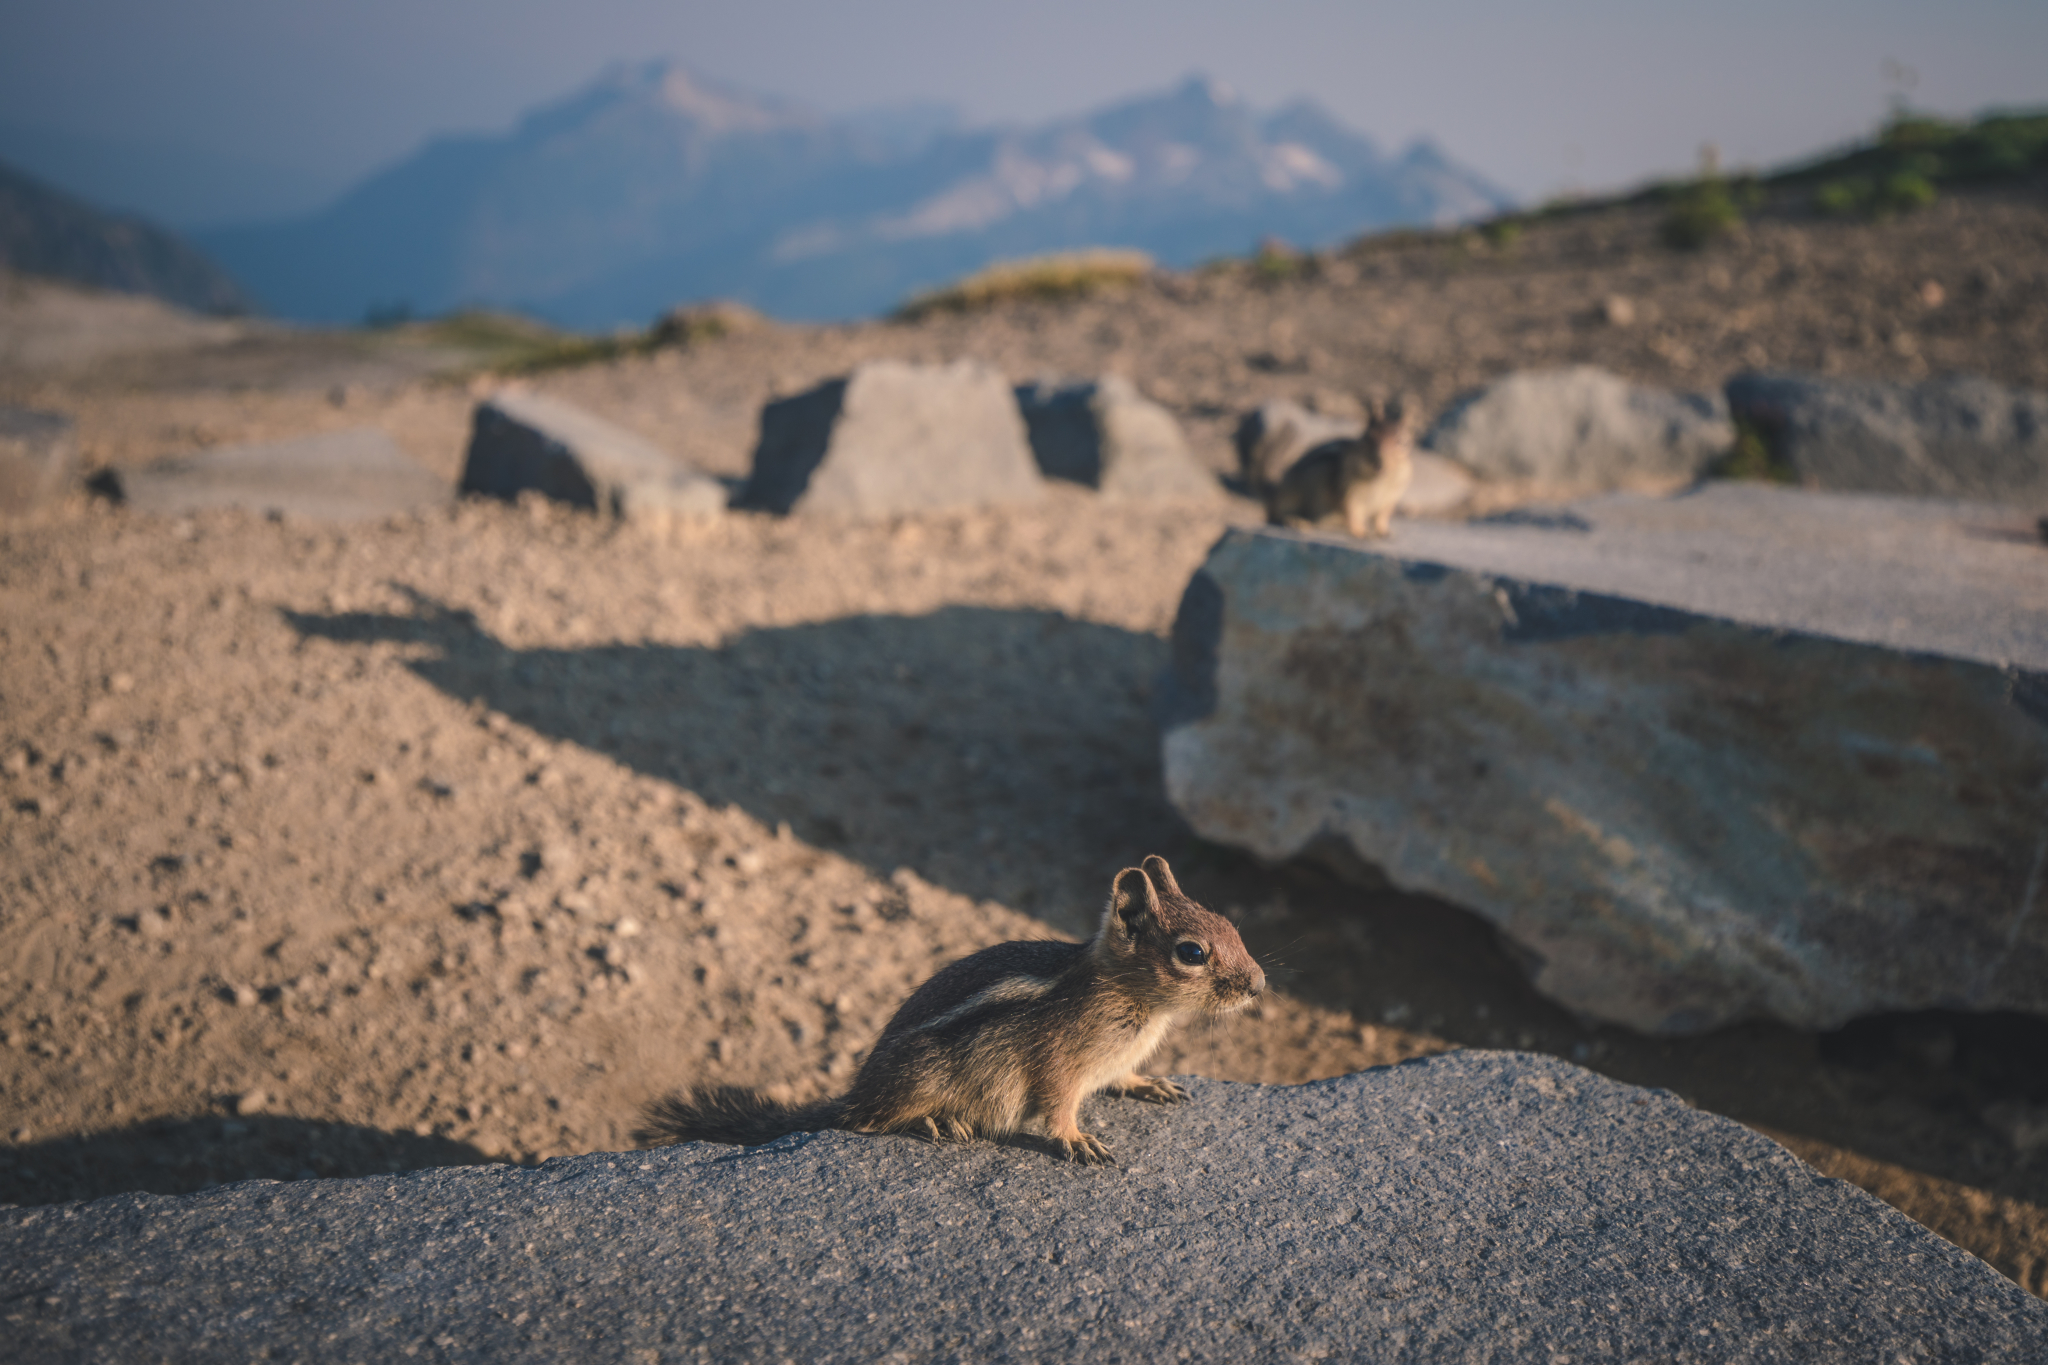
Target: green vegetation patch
(1062,275)
(1902,167)
(508,344)
(1752,457)
(1700,211)
(1913,155)
(1862,196)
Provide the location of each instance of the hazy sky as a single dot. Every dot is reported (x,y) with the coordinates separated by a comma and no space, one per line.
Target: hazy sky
(1584,94)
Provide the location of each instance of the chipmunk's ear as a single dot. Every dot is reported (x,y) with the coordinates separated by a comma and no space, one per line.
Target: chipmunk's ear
(1133,901)
(1162,875)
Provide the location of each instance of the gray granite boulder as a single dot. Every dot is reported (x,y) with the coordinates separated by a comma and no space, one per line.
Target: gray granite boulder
(1272,437)
(38,459)
(892,438)
(1475,1206)
(521,441)
(1747,752)
(1569,432)
(1956,437)
(352,475)
(1109,437)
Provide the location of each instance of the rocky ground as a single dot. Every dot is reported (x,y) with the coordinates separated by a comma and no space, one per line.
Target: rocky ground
(336,850)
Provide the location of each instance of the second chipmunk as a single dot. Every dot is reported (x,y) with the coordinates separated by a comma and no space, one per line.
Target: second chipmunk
(1017,1033)
(1356,483)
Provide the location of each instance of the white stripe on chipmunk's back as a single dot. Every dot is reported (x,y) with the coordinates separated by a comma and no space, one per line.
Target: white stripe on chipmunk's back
(1008,990)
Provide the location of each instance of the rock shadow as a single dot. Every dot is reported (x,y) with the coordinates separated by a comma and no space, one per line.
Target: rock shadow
(1004,753)
(181,1156)
(1954,1095)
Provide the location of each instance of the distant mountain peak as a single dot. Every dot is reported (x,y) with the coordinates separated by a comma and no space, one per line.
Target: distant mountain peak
(653,185)
(1218,93)
(670,88)
(45,232)
(717,109)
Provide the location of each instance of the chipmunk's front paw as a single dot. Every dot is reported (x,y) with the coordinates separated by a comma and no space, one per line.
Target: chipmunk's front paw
(944,1128)
(1154,1090)
(1089,1151)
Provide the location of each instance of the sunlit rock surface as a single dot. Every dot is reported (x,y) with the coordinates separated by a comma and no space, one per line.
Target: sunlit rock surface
(1748,752)
(891,438)
(527,441)
(354,475)
(1475,1206)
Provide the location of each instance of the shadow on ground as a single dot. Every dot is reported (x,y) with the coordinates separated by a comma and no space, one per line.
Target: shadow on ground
(1005,754)
(1944,1092)
(180,1156)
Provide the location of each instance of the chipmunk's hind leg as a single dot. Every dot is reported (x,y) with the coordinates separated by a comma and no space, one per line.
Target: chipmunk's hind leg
(946,1128)
(1151,1089)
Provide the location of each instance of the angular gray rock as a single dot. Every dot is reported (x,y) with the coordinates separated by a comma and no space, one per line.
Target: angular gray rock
(1747,752)
(1109,437)
(1956,437)
(1272,437)
(1474,1206)
(522,441)
(38,459)
(351,475)
(891,438)
(1569,432)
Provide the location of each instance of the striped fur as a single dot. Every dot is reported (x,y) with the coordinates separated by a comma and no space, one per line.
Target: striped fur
(1023,1032)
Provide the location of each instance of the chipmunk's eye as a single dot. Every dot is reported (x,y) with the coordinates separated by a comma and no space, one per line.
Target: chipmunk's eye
(1194,954)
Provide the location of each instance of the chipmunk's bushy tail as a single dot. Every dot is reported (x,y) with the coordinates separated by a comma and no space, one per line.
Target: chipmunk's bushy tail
(732,1115)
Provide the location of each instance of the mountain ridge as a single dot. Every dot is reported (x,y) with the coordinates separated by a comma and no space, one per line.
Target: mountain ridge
(652,185)
(47,233)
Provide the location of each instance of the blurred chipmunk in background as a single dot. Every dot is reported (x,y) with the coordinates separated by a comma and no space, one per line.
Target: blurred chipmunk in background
(1361,479)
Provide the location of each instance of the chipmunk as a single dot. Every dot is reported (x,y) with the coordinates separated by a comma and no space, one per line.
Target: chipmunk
(1017,1032)
(1362,479)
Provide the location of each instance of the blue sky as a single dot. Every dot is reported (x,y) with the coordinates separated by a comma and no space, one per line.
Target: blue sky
(233,106)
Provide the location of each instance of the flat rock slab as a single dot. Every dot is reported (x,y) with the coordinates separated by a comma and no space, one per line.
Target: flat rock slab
(1960,436)
(1475,1206)
(38,459)
(1747,752)
(528,441)
(353,475)
(892,438)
